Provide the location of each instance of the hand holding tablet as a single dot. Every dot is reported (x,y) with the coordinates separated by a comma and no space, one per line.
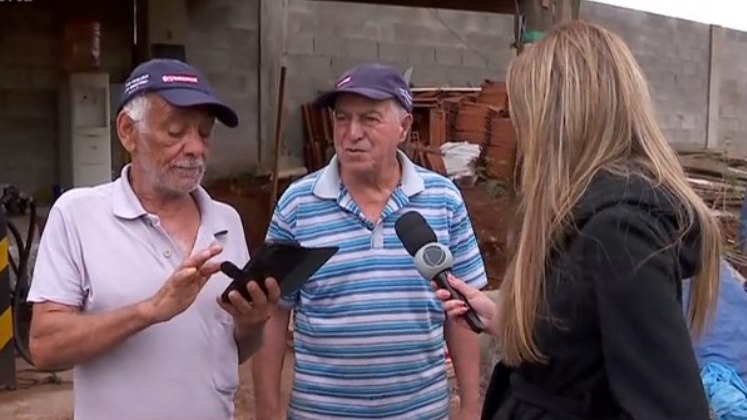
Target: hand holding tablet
(289,263)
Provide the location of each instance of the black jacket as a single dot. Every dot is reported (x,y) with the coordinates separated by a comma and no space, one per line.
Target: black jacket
(617,346)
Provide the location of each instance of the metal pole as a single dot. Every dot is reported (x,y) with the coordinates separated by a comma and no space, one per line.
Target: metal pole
(7,350)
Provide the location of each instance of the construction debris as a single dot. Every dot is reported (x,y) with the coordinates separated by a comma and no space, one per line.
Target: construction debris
(718,179)
(474,115)
(718,194)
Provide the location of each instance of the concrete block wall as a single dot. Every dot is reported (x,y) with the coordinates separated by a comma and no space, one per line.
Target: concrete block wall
(674,55)
(732,110)
(443,47)
(222,41)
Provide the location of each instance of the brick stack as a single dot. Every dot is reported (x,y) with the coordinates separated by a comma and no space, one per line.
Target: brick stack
(478,116)
(500,151)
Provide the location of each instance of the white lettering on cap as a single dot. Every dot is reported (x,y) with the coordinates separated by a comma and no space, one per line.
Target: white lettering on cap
(136,83)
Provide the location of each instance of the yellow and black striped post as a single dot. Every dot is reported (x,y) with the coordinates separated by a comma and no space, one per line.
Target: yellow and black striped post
(7,349)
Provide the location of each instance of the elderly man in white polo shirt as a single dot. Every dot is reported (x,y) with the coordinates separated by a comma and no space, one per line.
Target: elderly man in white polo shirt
(126,285)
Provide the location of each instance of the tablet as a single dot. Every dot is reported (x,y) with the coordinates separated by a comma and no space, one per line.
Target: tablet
(286,261)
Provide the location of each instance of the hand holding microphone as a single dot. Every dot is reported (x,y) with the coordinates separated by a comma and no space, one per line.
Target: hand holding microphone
(434,261)
(478,301)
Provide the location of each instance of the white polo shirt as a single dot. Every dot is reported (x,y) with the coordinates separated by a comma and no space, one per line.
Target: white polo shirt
(101,251)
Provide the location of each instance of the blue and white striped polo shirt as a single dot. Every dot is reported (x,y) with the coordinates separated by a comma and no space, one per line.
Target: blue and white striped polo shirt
(368,329)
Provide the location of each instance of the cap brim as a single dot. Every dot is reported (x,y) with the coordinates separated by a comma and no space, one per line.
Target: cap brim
(327,99)
(189,97)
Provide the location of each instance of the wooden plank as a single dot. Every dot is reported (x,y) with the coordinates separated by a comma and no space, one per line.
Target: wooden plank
(320,150)
(327,124)
(711,166)
(436,122)
(437,163)
(310,139)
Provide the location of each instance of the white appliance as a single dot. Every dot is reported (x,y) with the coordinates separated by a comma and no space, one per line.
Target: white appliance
(85,134)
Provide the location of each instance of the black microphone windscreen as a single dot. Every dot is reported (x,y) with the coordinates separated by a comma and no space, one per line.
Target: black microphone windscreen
(414,232)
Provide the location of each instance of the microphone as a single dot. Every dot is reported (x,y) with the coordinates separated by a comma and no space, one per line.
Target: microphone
(433,260)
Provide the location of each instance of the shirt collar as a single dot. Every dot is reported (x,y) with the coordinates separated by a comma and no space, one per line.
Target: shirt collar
(128,206)
(327,185)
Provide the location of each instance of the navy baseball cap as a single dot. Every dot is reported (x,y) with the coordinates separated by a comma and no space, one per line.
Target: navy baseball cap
(374,81)
(177,83)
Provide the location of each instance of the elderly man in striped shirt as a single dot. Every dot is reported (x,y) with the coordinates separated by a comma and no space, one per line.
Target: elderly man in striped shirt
(369,330)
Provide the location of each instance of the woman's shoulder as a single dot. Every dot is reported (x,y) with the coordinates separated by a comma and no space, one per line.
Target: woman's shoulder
(619,203)
(626,195)
(634,215)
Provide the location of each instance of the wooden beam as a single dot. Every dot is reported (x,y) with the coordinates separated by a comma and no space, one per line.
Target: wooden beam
(491,6)
(539,16)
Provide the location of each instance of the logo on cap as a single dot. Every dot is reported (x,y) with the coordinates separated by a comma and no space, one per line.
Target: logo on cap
(183,78)
(344,81)
(405,95)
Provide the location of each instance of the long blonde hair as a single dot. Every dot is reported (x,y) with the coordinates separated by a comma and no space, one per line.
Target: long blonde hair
(580,104)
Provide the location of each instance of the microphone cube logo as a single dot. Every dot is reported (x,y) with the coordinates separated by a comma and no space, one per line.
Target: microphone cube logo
(433,255)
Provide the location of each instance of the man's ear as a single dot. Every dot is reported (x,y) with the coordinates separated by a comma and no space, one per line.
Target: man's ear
(126,131)
(406,126)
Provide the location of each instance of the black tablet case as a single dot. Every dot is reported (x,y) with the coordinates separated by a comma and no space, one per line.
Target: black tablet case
(286,261)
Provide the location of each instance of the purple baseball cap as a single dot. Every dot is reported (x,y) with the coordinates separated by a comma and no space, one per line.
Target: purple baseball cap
(177,83)
(374,81)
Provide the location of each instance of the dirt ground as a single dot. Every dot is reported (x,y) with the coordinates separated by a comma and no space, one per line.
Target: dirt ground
(39,397)
(489,211)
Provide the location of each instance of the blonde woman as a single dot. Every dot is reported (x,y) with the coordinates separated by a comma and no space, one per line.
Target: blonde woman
(589,316)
